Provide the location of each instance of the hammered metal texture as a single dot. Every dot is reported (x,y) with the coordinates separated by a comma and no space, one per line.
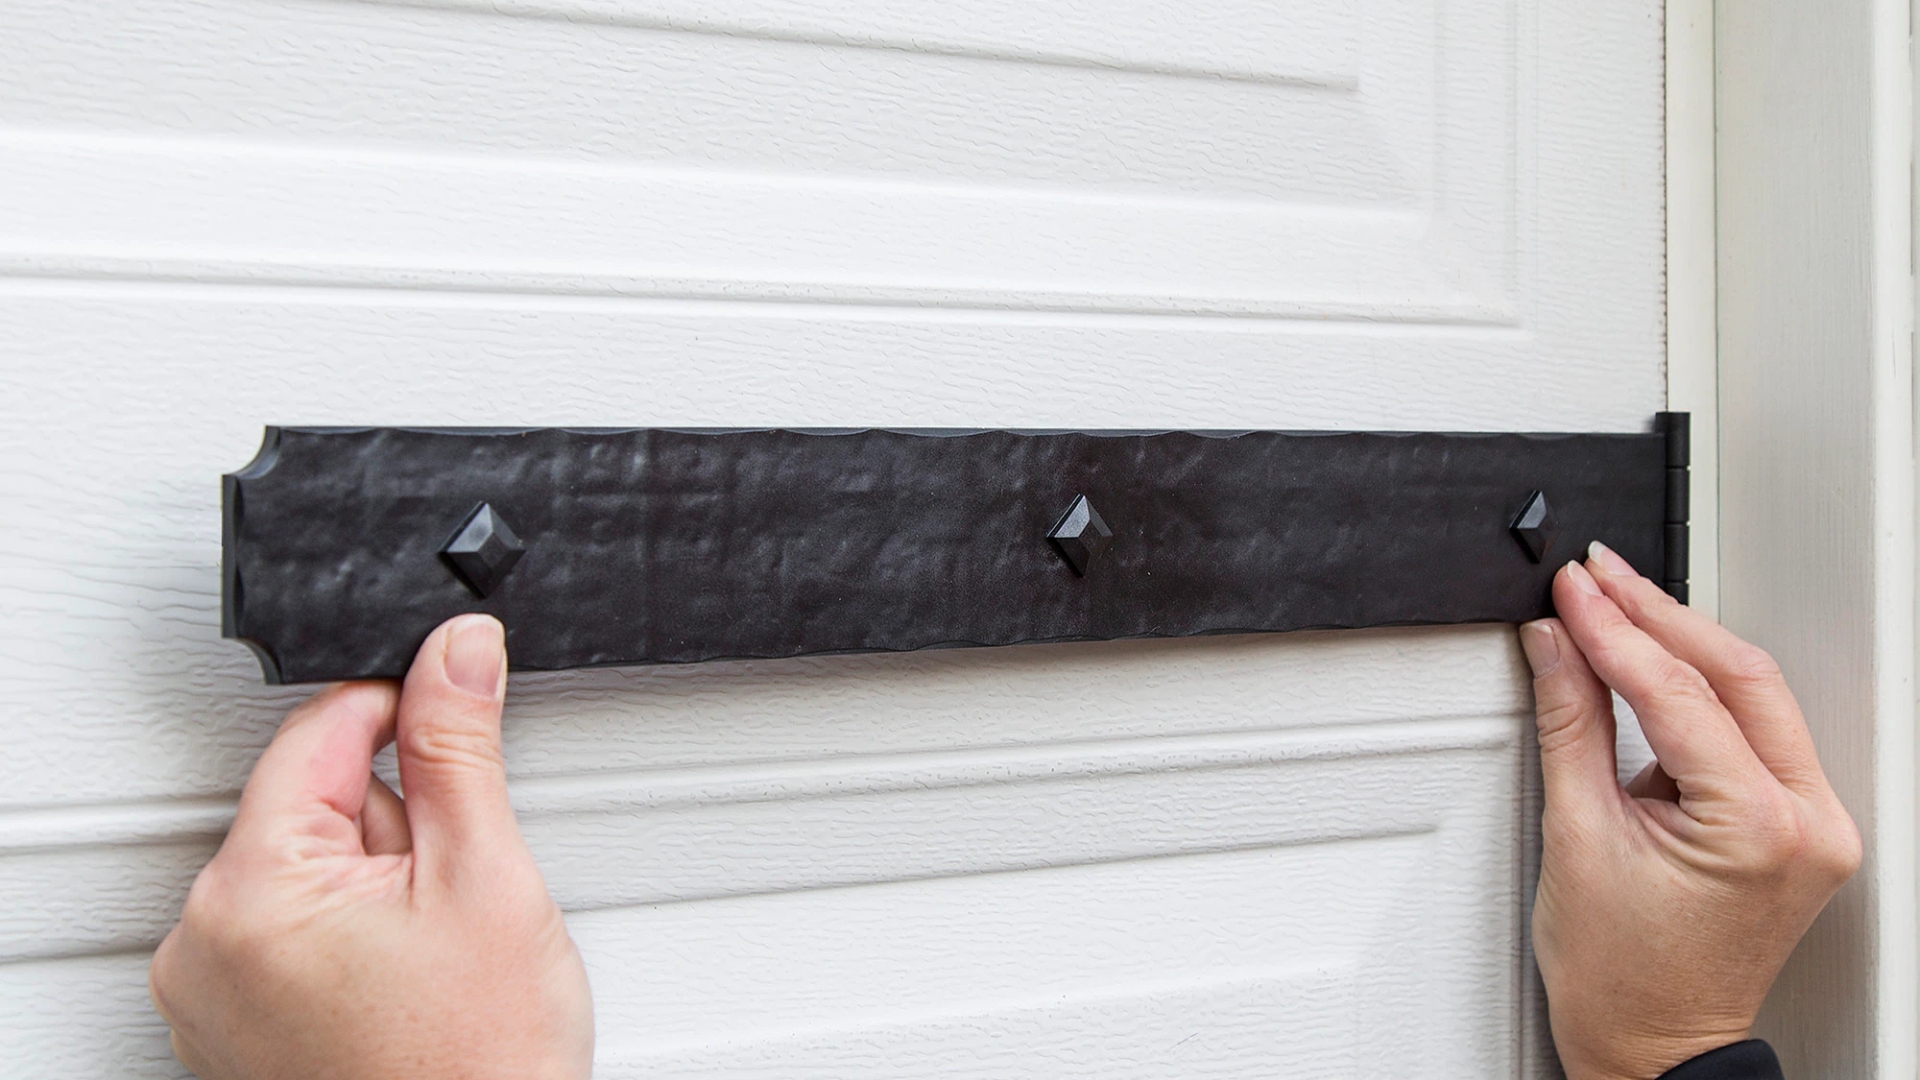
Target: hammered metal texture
(663,546)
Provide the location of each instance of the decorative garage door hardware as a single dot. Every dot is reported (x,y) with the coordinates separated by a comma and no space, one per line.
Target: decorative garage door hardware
(344,547)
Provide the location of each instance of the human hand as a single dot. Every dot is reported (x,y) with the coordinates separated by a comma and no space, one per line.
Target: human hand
(342,934)
(1667,907)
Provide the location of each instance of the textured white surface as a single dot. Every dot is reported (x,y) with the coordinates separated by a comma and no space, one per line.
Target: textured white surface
(1299,856)
(1816,195)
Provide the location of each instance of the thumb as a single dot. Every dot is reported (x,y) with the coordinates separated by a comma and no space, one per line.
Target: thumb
(1574,718)
(447,742)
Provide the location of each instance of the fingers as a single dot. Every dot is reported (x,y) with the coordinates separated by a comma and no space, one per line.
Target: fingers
(1574,714)
(1696,740)
(448,746)
(306,792)
(1743,676)
(383,821)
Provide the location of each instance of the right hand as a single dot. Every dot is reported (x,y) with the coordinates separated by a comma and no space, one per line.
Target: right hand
(1667,907)
(343,934)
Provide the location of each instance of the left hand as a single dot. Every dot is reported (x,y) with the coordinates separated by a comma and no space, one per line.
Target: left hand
(343,934)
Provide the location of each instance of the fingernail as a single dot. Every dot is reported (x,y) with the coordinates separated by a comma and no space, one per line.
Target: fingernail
(1581,579)
(1609,560)
(476,651)
(1542,648)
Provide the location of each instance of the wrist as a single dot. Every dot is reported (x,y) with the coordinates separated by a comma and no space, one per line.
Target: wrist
(1644,1058)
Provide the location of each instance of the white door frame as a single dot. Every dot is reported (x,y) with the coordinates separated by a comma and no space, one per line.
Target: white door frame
(1811,140)
(1692,333)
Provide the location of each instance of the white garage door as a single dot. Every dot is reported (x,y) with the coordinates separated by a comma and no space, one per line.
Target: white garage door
(1287,856)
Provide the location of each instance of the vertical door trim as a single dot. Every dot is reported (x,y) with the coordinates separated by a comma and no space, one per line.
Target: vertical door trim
(1815,297)
(1692,329)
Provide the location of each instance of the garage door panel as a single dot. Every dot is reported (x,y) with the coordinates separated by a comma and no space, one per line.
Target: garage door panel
(774,168)
(83,881)
(1208,914)
(1048,94)
(1251,957)
(1299,855)
(670,838)
(124,208)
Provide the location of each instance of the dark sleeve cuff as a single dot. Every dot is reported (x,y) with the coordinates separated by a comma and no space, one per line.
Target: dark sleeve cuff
(1750,1060)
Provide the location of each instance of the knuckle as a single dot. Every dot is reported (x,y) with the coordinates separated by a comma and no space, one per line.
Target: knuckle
(1677,685)
(163,979)
(215,897)
(451,746)
(1639,597)
(211,934)
(1839,850)
(221,916)
(209,905)
(1753,664)
(1779,837)
(1661,674)
(1789,842)
(1567,835)
(1681,679)
(1558,722)
(316,703)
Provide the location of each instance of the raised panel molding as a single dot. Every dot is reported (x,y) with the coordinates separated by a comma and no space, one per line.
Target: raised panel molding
(1260,956)
(145,209)
(1215,958)
(1146,1029)
(1217,964)
(1384,192)
(1299,42)
(84,880)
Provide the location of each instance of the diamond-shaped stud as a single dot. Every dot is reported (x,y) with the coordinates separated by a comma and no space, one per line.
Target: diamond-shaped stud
(1535,527)
(483,550)
(1081,535)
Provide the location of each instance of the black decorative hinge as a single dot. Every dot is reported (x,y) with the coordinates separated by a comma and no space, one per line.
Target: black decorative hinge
(344,547)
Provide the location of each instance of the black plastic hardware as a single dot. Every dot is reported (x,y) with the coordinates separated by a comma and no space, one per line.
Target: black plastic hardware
(1081,534)
(1536,528)
(661,546)
(1677,427)
(484,550)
